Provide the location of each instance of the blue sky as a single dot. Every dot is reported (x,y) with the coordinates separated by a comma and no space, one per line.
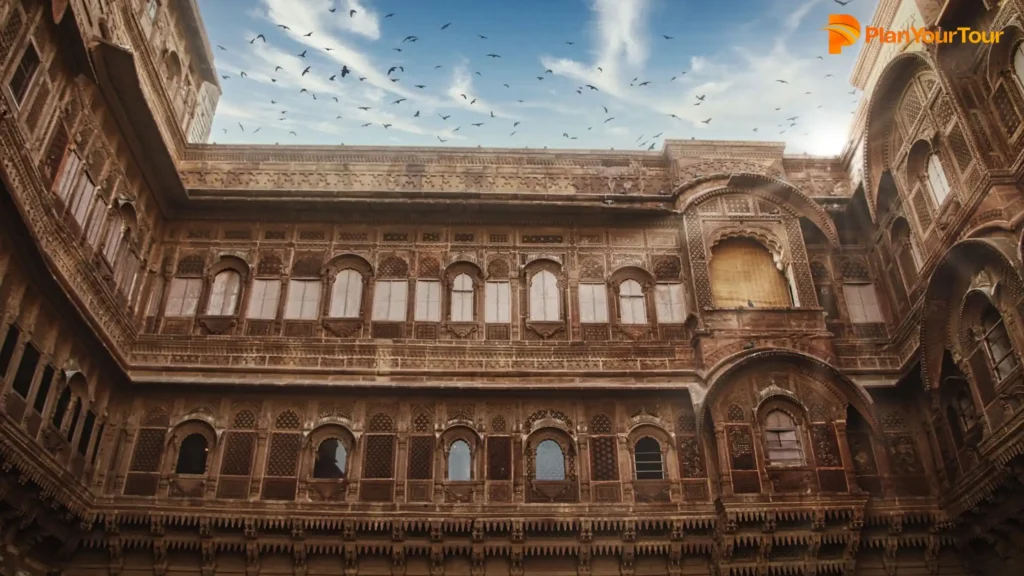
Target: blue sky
(731,52)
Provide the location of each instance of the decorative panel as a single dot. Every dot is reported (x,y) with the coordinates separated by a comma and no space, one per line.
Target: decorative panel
(421,458)
(379,460)
(499,458)
(604,461)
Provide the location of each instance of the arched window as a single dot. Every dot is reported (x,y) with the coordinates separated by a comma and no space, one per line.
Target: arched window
(462,299)
(192,455)
(550,462)
(460,461)
(544,299)
(347,294)
(227,286)
(632,308)
(647,459)
(744,275)
(782,439)
(331,459)
(938,185)
(1018,63)
(997,342)
(183,293)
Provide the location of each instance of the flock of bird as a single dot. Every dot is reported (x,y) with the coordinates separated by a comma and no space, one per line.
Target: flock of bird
(394,75)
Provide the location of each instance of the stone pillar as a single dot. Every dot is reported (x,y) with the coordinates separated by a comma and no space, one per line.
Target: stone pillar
(724,463)
(844,452)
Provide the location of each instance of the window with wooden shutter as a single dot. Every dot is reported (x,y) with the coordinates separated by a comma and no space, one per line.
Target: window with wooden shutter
(998,345)
(938,184)
(378,460)
(647,461)
(593,304)
(669,303)
(390,300)
(782,439)
(347,294)
(428,302)
(303,300)
(499,458)
(224,295)
(632,306)
(421,457)
(113,240)
(862,304)
(544,298)
(497,303)
(264,299)
(462,299)
(21,79)
(68,175)
(183,297)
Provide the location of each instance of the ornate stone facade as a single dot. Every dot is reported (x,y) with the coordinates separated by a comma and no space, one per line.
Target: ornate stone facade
(713,359)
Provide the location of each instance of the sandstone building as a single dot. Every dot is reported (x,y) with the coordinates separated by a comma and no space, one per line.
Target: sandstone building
(307,360)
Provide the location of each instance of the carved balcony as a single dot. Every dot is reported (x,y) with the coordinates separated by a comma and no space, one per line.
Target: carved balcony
(652,491)
(552,491)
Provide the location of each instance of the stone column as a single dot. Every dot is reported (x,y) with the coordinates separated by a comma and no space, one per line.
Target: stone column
(847,458)
(724,463)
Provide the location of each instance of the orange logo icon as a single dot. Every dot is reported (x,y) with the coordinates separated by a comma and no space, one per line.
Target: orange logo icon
(843,30)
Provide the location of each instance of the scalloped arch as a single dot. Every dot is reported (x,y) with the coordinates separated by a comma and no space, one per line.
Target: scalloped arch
(894,77)
(834,381)
(960,263)
(778,192)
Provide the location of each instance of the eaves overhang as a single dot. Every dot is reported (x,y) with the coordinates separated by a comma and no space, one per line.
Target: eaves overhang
(121,86)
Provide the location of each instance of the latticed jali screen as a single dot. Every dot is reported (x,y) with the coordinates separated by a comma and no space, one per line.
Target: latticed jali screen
(282,466)
(379,461)
(421,457)
(144,471)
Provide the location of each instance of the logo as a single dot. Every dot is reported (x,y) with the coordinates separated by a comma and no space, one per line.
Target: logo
(843,30)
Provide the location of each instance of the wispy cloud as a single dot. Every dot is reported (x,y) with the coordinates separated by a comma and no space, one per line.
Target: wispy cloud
(621,39)
(462,94)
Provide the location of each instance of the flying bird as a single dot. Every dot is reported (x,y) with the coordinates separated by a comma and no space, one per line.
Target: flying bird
(389,15)
(332,78)
(397,49)
(482,37)
(243,74)
(708,121)
(257,130)
(457,129)
(667,37)
(242,127)
(473,101)
(293,133)
(701,97)
(345,71)
(221,47)
(303,91)
(400,100)
(308,35)
(328,49)
(540,77)
(464,97)
(644,83)
(605,109)
(410,39)
(445,117)
(793,119)
(609,120)
(782,82)
(441,139)
(599,69)
(420,86)
(303,54)
(829,76)
(386,126)
(478,124)
(225,77)
(506,85)
(512,134)
(442,28)
(438,66)
(393,68)
(259,37)
(416,115)
(306,71)
(367,124)
(351,13)
(277,68)
(516,124)
(841,3)
(332,9)
(548,71)
(282,26)
(364,108)
(592,87)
